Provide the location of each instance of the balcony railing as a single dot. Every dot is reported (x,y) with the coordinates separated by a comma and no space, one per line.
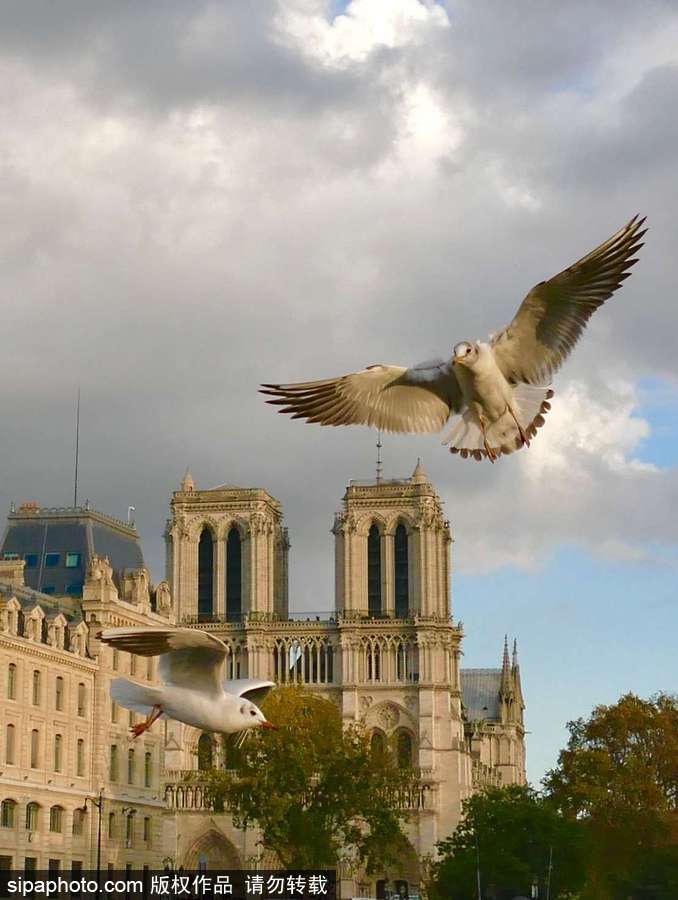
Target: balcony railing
(186,791)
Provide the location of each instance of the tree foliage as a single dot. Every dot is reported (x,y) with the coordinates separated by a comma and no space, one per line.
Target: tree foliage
(618,776)
(511,834)
(315,788)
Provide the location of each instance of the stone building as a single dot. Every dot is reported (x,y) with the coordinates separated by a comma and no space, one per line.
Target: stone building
(388,655)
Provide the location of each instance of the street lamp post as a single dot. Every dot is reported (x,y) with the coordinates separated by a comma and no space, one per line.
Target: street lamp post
(99,803)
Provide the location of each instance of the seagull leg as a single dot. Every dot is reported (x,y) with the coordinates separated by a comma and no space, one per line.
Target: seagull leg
(522,434)
(138,730)
(491,455)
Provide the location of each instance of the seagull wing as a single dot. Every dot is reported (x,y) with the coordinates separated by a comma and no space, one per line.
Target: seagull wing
(253,689)
(188,658)
(391,398)
(555,312)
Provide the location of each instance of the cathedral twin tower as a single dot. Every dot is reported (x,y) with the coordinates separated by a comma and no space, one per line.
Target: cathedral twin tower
(227,552)
(387,656)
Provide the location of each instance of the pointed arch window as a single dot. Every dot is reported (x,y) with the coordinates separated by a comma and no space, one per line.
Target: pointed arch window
(374,604)
(402,573)
(233,576)
(378,743)
(205,576)
(404,749)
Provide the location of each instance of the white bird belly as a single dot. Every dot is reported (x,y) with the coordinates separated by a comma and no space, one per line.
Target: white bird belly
(204,711)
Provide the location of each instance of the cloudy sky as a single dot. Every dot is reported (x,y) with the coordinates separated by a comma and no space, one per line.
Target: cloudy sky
(197,197)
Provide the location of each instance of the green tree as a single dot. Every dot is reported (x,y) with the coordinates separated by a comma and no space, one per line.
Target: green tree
(619,777)
(512,834)
(315,788)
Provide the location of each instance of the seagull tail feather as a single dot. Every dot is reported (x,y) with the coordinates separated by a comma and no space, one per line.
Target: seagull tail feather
(140,698)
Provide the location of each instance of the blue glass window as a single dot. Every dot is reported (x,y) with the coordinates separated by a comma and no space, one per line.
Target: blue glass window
(73,560)
(31,560)
(52,560)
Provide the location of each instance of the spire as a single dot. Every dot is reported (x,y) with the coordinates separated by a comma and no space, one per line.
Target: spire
(419,475)
(506,669)
(514,664)
(187,483)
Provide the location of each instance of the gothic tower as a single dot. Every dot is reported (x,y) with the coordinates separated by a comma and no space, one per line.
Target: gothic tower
(227,554)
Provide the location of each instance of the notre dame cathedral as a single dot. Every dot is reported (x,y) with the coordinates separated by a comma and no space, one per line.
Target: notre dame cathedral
(388,656)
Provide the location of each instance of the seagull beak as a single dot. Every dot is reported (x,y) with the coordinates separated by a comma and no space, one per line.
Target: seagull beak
(270,726)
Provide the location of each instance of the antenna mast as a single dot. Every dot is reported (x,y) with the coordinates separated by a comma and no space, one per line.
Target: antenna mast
(379,467)
(77,450)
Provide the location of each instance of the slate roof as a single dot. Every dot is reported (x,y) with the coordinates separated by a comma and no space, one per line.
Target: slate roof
(480,694)
(34,533)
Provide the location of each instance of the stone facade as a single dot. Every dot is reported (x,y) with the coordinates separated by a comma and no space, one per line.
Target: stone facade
(388,655)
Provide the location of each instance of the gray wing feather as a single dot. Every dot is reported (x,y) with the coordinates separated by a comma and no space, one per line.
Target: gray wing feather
(554,314)
(391,398)
(253,689)
(188,657)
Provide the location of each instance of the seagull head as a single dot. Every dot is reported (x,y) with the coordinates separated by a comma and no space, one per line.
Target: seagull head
(465,353)
(253,717)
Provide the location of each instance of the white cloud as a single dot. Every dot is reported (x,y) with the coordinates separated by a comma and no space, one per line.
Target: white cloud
(365,26)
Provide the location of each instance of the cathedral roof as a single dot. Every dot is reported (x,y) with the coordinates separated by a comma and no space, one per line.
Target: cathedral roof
(480,693)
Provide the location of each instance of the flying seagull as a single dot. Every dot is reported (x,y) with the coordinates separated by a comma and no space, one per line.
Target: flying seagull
(499,388)
(194,690)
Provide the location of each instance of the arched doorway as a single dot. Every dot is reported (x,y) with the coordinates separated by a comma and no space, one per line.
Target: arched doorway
(212,850)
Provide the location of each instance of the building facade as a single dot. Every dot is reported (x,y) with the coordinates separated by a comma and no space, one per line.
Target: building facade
(388,655)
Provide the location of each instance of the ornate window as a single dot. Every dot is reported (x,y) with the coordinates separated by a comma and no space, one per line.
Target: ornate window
(129,828)
(147,829)
(113,768)
(56,819)
(58,752)
(402,591)
(233,576)
(78,820)
(148,762)
(11,682)
(7,813)
(130,767)
(373,661)
(59,693)
(378,743)
(374,604)
(37,687)
(205,576)
(404,749)
(10,746)
(32,816)
(111,825)
(35,748)
(82,698)
(80,757)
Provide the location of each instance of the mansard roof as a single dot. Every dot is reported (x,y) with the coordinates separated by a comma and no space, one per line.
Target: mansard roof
(480,691)
(35,533)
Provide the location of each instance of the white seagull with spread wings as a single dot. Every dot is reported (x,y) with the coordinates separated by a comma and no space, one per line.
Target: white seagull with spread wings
(499,388)
(194,690)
